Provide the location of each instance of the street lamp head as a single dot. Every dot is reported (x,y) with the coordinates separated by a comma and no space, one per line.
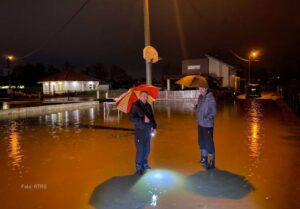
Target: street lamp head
(10,57)
(254,54)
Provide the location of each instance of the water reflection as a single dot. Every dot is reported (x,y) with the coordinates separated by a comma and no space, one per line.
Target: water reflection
(91,116)
(110,113)
(5,106)
(255,133)
(14,150)
(76,118)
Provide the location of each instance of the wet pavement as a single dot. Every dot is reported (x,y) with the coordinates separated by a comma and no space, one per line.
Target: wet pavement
(84,159)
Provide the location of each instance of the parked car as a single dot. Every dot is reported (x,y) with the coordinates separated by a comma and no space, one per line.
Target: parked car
(253,90)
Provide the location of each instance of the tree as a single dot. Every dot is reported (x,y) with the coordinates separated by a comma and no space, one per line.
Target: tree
(28,74)
(68,66)
(119,78)
(99,71)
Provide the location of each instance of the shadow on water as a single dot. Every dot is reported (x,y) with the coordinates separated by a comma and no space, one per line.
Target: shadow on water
(218,183)
(119,192)
(105,127)
(94,127)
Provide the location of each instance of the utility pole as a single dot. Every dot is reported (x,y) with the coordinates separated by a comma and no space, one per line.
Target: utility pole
(147,40)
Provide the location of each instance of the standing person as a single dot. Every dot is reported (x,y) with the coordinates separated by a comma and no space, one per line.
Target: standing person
(142,116)
(205,111)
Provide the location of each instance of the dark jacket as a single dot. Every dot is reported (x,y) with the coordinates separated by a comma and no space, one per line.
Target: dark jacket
(137,115)
(206,110)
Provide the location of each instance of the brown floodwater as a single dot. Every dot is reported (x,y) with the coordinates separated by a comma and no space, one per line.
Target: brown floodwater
(84,159)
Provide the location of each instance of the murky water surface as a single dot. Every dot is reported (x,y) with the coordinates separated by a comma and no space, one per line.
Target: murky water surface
(85,159)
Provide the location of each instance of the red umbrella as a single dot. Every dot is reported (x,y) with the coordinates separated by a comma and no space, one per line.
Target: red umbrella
(125,101)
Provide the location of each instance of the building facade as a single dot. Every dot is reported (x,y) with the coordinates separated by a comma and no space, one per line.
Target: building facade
(70,81)
(225,73)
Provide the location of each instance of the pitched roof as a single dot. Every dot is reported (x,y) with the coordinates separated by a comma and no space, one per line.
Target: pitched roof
(69,75)
(215,58)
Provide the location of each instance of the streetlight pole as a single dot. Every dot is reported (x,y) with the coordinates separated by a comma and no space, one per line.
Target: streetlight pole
(8,60)
(249,70)
(253,54)
(147,40)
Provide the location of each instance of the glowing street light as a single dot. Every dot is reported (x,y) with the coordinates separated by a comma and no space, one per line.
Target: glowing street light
(10,57)
(252,55)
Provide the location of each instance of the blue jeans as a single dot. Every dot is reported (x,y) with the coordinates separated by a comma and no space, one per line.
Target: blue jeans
(142,143)
(206,141)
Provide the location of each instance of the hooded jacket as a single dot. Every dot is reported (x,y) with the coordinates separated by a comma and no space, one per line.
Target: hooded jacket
(206,110)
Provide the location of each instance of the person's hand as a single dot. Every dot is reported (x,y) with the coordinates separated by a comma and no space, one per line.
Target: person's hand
(195,107)
(146,119)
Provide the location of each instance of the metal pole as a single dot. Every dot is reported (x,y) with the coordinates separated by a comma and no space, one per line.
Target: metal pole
(249,73)
(8,72)
(147,40)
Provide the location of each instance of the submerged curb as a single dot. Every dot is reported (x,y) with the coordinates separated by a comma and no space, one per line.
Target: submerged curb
(45,109)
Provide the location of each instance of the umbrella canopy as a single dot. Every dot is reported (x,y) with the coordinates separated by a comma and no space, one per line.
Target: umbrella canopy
(151,90)
(193,81)
(125,101)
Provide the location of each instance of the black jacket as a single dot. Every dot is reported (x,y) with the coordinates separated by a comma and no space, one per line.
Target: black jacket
(137,115)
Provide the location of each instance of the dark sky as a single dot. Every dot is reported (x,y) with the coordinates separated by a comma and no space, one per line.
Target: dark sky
(111,31)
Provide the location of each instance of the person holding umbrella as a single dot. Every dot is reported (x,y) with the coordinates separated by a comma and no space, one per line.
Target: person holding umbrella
(142,116)
(205,111)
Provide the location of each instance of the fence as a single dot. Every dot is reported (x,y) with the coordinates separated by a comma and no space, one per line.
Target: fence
(178,95)
(292,98)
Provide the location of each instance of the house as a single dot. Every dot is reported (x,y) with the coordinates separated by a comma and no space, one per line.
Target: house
(222,71)
(70,81)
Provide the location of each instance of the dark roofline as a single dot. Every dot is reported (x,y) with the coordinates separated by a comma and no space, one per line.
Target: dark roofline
(68,75)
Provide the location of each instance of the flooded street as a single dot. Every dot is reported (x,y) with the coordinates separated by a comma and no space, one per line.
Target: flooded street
(84,159)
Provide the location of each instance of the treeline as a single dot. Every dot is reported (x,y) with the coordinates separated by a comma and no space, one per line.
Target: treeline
(30,74)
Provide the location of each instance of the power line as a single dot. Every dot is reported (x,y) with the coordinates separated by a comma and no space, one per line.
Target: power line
(241,58)
(61,29)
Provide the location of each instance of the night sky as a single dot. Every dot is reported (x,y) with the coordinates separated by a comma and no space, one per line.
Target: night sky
(111,31)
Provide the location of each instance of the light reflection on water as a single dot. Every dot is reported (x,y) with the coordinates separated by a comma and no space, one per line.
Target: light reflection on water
(255,132)
(15,152)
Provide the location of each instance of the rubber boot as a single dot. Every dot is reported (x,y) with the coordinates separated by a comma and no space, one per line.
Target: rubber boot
(139,172)
(203,161)
(146,166)
(211,165)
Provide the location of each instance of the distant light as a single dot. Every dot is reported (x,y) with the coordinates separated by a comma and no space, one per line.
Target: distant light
(74,82)
(5,106)
(254,54)
(10,57)
(278,77)
(91,82)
